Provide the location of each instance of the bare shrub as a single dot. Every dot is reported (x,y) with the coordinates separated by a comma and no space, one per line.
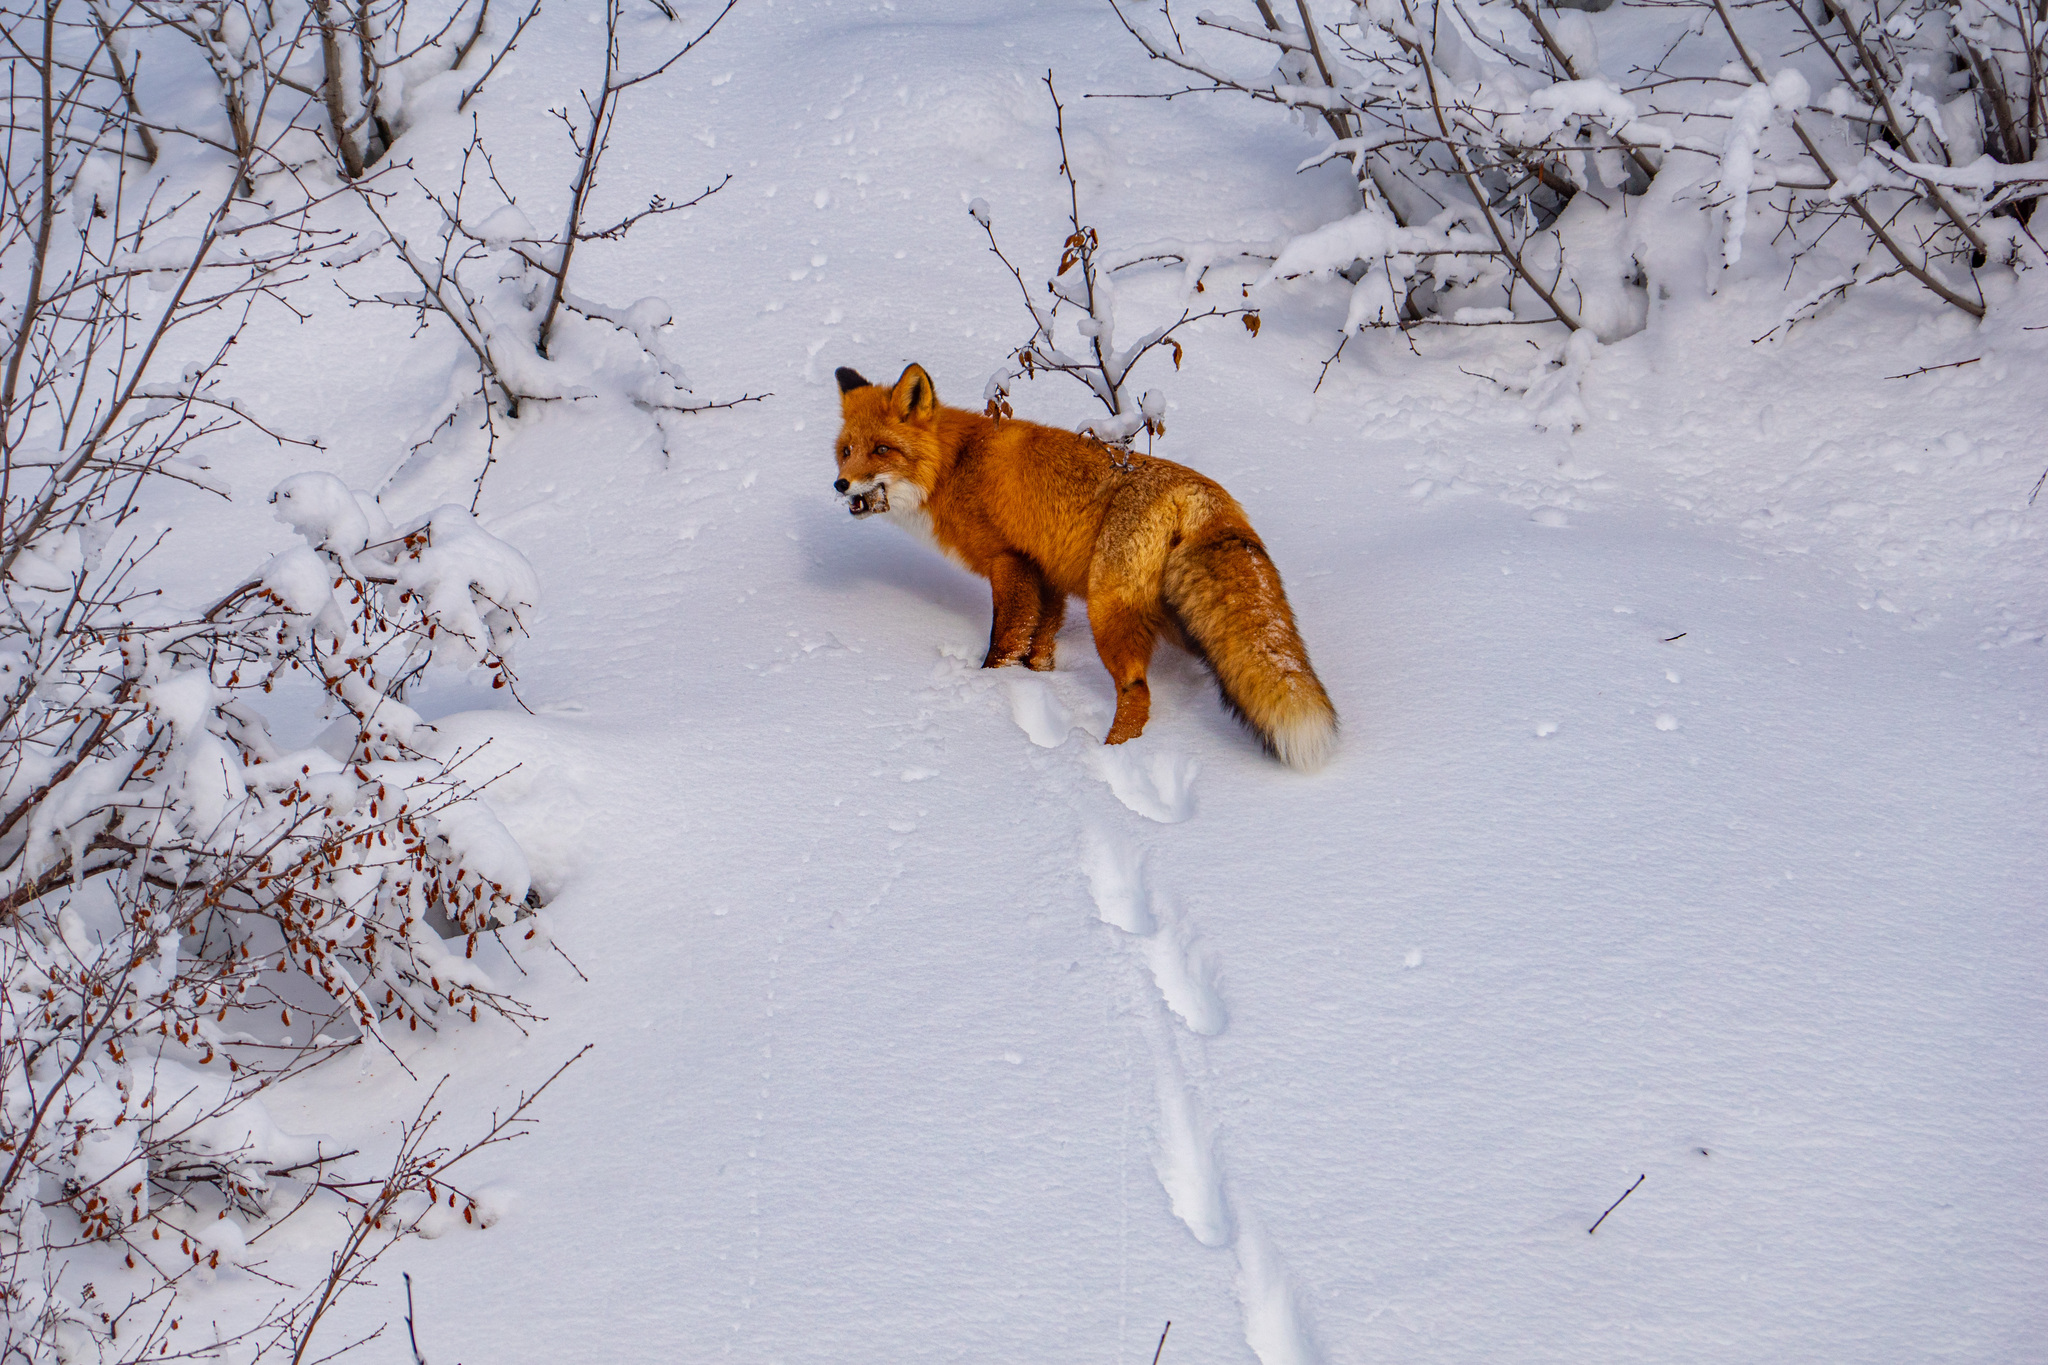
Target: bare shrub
(1084,284)
(192,911)
(1489,146)
(504,286)
(261,51)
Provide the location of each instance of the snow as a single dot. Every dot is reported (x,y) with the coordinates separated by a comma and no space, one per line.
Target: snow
(475,582)
(504,226)
(321,508)
(1786,92)
(1599,100)
(1687,823)
(1368,236)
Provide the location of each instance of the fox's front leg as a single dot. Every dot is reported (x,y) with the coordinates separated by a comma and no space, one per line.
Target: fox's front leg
(1018,588)
(1052,609)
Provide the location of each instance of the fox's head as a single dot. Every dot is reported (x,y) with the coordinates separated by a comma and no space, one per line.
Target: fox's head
(888,447)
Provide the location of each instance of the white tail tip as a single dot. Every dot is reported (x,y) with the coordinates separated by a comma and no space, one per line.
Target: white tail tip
(1304,743)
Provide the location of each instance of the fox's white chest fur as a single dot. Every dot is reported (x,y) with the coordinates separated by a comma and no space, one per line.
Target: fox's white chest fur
(907,510)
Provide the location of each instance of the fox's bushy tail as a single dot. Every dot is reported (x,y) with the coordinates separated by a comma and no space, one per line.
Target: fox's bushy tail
(1226,595)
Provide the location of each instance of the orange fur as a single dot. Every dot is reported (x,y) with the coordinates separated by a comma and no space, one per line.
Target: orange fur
(1043,514)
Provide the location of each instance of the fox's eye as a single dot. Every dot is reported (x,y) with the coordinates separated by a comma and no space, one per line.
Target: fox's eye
(845,452)
(885,450)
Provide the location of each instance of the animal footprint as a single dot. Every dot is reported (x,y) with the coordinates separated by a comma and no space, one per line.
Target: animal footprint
(1272,1320)
(1186,1166)
(1185,985)
(1155,783)
(1038,712)
(1116,878)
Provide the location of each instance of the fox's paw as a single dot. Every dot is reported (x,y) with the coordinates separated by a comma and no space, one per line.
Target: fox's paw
(1133,709)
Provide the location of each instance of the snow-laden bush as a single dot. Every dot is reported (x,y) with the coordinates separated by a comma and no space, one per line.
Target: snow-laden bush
(193,910)
(202,892)
(1495,154)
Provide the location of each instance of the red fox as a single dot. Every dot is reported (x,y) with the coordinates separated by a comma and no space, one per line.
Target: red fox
(1043,514)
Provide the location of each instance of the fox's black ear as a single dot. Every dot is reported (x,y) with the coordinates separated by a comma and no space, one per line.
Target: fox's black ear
(913,398)
(849,380)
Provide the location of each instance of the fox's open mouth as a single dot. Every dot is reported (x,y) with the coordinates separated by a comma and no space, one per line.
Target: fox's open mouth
(876,499)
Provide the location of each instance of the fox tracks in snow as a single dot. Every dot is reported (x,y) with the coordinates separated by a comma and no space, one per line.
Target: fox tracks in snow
(1038,711)
(1116,878)
(1185,1009)
(1156,783)
(1153,781)
(1183,1012)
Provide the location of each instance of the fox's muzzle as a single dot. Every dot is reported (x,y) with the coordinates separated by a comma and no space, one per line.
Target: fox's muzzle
(866,504)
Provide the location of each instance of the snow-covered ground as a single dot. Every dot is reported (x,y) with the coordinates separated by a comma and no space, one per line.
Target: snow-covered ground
(1687,824)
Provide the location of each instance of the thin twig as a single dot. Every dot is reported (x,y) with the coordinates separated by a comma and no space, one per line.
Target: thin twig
(126,81)
(708,407)
(1624,1194)
(1471,178)
(1571,68)
(1930,369)
(411,1336)
(532,12)
(462,50)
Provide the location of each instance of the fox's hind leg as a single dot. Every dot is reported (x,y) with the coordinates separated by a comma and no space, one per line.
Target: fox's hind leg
(1018,588)
(1052,609)
(1124,635)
